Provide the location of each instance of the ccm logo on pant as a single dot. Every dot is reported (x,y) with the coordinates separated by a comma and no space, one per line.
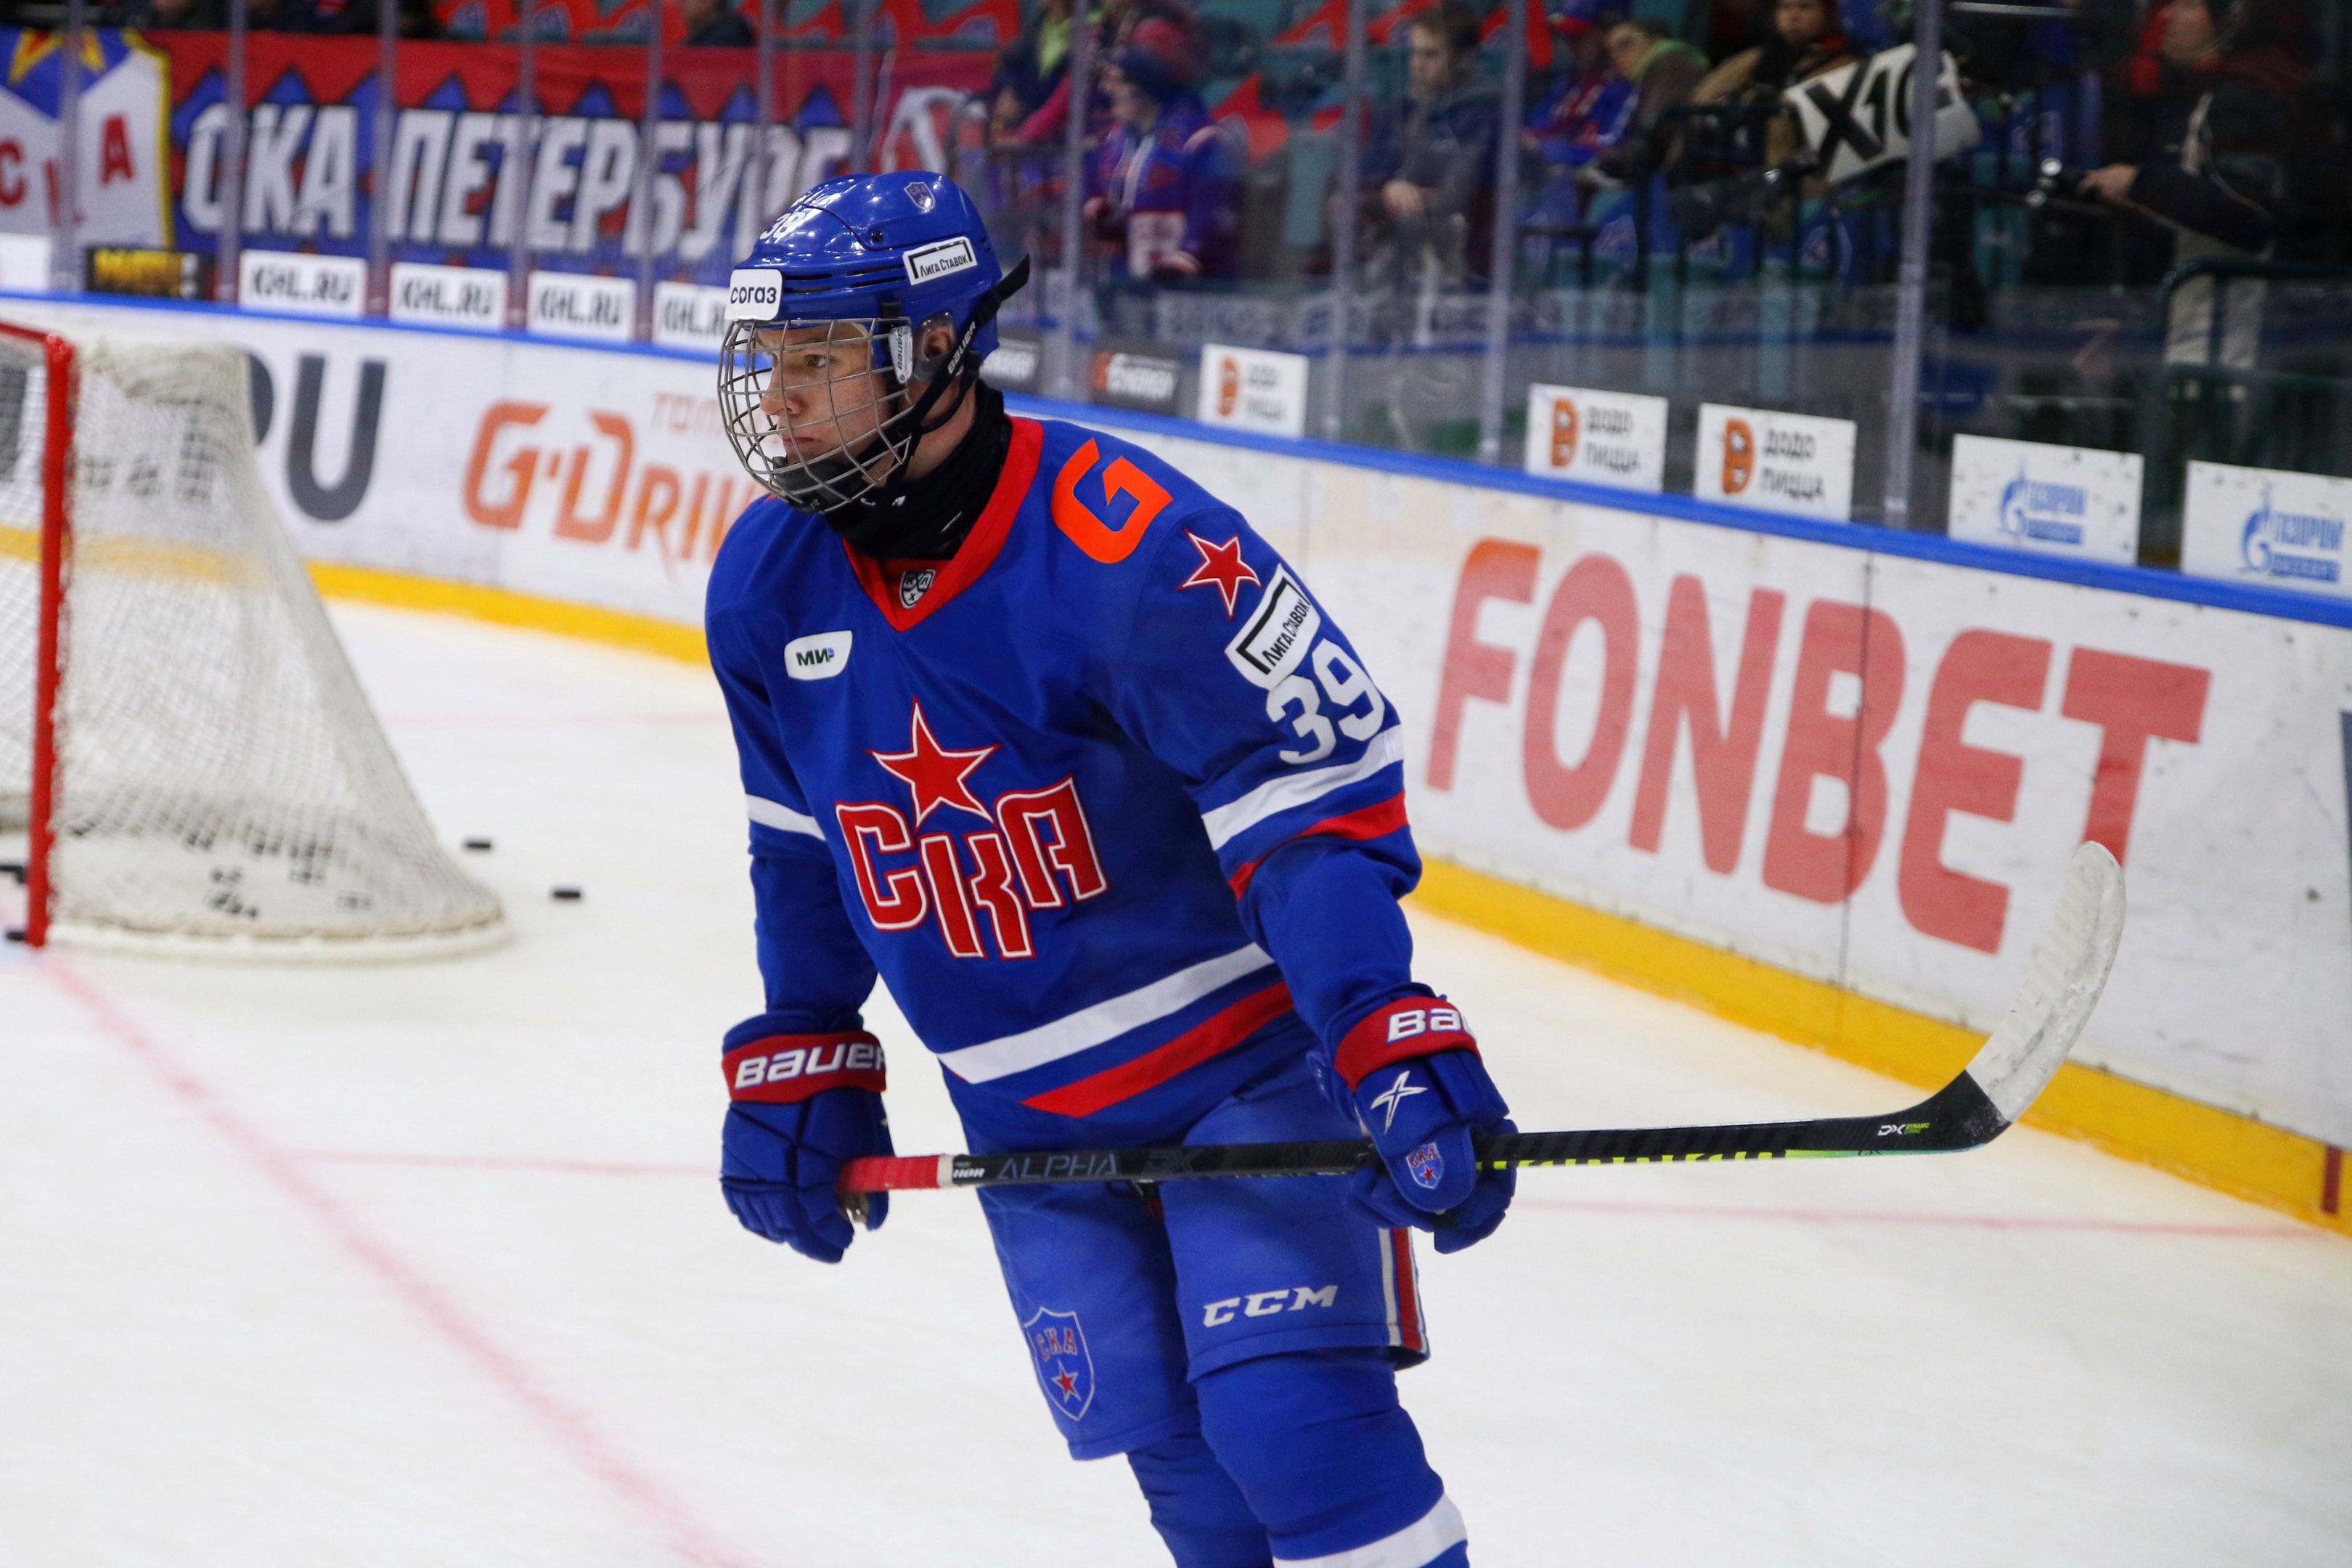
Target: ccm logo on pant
(1266,1303)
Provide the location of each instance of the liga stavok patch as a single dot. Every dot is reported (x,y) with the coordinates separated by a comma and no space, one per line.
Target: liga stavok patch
(1280,629)
(754,293)
(925,262)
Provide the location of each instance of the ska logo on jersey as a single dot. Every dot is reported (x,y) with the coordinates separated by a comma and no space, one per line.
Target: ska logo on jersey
(1058,1343)
(1222,568)
(1036,850)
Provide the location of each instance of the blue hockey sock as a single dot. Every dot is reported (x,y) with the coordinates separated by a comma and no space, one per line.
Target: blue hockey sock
(1195,1506)
(1330,1461)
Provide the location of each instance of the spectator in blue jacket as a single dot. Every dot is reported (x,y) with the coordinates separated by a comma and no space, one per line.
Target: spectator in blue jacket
(1430,180)
(1164,187)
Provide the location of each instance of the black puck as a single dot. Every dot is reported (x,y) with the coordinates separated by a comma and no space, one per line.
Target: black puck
(16,933)
(478,846)
(565,895)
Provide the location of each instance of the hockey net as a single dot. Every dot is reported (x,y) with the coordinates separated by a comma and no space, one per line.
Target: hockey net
(217,781)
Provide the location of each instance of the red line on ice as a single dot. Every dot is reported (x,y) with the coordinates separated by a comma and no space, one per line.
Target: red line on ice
(570,1428)
(506,1163)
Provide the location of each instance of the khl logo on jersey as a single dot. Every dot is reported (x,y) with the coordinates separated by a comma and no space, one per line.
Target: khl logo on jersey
(1057,1343)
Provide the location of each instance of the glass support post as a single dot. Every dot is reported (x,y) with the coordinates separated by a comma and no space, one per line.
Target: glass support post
(65,222)
(861,97)
(516,163)
(762,156)
(1065,381)
(1506,247)
(228,247)
(1911,282)
(648,165)
(387,88)
(1345,199)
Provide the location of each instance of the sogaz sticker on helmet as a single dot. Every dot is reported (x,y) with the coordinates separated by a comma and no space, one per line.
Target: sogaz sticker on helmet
(928,262)
(754,293)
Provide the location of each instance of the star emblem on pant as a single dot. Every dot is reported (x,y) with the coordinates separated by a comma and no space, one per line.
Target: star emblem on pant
(935,773)
(1222,568)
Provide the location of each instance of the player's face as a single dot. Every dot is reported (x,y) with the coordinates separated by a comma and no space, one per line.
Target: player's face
(823,389)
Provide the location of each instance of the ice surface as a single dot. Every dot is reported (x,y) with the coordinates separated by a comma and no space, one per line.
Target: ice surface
(426,1265)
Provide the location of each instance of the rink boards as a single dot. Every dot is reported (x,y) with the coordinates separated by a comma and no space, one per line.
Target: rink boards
(1857,760)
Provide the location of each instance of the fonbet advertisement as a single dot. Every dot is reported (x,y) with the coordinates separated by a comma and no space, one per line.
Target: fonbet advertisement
(1867,769)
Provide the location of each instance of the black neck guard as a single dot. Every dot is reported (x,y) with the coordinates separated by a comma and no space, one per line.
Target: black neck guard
(927,519)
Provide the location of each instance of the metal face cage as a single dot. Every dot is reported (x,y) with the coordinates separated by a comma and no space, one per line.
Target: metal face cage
(819,412)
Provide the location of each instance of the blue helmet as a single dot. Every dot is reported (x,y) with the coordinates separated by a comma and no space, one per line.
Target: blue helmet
(833,359)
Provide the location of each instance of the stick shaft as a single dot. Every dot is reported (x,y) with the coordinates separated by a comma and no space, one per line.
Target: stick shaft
(1958,1116)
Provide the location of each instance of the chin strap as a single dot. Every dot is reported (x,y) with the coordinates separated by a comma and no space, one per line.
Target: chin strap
(951,372)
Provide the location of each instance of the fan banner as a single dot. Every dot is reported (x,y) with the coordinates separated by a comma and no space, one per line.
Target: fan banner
(154,130)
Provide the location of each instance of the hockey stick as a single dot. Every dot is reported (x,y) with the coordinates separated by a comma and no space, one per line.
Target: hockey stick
(2061,984)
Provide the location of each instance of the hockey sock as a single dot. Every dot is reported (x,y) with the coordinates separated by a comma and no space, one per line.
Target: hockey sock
(1330,1461)
(1195,1506)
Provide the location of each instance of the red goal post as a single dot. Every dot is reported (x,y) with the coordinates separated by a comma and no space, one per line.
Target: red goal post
(191,758)
(52,547)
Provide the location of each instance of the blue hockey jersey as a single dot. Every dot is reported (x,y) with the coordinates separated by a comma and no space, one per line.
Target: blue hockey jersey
(1040,787)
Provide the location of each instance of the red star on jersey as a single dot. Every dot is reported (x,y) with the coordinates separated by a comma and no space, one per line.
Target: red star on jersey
(1222,568)
(1067,1382)
(935,773)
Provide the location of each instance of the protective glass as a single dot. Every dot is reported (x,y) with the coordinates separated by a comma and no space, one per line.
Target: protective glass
(820,415)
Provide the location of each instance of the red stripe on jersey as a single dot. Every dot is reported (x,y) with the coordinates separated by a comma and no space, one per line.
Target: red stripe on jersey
(1408,1292)
(976,555)
(782,1069)
(1215,1037)
(1375,821)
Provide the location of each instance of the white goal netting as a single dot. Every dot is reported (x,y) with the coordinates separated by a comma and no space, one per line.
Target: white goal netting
(223,784)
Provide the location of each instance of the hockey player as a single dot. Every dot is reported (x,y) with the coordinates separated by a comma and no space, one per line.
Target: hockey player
(1037,730)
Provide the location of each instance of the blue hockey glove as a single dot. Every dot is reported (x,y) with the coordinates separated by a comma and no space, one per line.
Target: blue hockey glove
(1419,1090)
(802,1105)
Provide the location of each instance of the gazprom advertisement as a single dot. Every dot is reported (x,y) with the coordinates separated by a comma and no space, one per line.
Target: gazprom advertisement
(2265,525)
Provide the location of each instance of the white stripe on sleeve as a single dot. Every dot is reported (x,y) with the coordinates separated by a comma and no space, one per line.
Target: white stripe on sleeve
(1439,1529)
(773,814)
(1088,1026)
(1236,816)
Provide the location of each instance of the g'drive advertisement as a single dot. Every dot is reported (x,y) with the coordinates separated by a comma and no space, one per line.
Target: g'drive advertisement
(154,120)
(574,473)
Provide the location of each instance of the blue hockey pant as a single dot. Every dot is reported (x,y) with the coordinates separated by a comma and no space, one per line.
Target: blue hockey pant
(1238,1341)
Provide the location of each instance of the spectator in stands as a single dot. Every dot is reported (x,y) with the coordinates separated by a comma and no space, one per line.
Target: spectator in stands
(1587,105)
(715,25)
(1662,71)
(1737,164)
(2218,133)
(1430,177)
(1164,187)
(1029,68)
(1114,25)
